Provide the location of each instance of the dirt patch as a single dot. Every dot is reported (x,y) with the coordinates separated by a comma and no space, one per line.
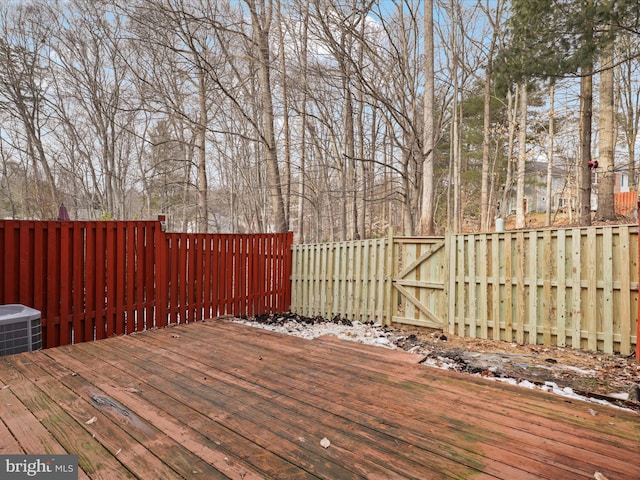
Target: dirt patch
(590,373)
(615,378)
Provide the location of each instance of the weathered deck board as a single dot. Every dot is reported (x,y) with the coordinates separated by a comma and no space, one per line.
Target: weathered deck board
(247,404)
(222,400)
(387,397)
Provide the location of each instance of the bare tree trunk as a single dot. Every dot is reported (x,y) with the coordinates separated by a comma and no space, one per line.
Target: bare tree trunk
(285,118)
(188,148)
(261,22)
(456,161)
(203,203)
(508,182)
(522,158)
(586,106)
(455,136)
(360,195)
(302,182)
(407,214)
(350,207)
(486,144)
(34,145)
(606,210)
(487,186)
(427,210)
(550,155)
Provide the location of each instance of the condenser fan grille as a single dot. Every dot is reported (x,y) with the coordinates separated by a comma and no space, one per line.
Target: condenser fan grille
(20,329)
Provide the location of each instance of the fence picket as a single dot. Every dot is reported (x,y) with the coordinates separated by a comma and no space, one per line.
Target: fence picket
(561,290)
(624,301)
(472,315)
(533,316)
(26,263)
(495,287)
(508,287)
(592,290)
(607,294)
(576,288)
(482,295)
(140,259)
(110,275)
(65,305)
(548,265)
(521,312)
(78,279)
(461,318)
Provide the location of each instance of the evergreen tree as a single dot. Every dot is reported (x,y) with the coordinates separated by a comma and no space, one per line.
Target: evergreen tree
(557,38)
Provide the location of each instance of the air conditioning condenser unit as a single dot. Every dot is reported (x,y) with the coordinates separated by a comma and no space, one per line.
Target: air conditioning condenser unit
(20,329)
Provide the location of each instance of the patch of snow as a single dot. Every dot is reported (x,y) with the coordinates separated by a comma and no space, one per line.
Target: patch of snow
(567,392)
(527,384)
(439,362)
(620,395)
(358,332)
(578,370)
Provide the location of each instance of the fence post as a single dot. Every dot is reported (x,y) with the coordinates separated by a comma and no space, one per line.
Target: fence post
(638,317)
(451,270)
(389,263)
(288,268)
(162,282)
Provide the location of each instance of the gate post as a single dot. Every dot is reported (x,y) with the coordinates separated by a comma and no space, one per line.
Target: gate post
(390,296)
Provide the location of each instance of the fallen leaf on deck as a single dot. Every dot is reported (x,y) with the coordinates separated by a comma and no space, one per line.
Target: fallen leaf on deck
(599,476)
(91,420)
(325,442)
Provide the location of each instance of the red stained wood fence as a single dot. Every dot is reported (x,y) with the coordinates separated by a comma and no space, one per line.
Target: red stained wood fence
(625,203)
(93,280)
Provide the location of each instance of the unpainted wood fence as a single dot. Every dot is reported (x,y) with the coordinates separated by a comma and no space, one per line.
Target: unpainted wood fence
(92,280)
(574,287)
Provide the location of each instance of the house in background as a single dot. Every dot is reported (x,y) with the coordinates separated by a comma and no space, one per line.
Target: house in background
(563,189)
(565,192)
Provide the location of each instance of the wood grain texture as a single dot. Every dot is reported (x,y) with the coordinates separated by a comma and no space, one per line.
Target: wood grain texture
(216,399)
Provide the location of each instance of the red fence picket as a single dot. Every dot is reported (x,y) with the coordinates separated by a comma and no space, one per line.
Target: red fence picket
(93,280)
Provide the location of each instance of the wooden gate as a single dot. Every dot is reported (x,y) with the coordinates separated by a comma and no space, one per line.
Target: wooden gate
(419,281)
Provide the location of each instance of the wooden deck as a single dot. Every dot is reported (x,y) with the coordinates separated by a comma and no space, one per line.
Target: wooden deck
(221,400)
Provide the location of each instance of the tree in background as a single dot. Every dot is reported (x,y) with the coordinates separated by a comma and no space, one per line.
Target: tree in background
(629,93)
(607,141)
(427,212)
(24,74)
(570,38)
(339,120)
